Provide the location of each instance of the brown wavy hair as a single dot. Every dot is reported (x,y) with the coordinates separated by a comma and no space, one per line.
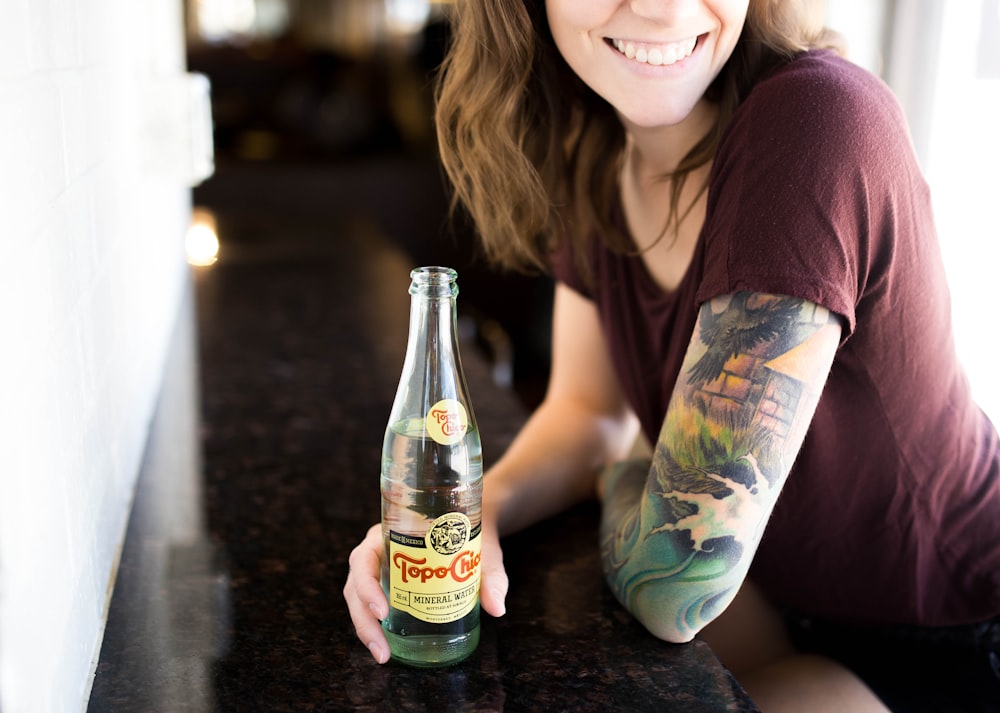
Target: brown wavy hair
(531,151)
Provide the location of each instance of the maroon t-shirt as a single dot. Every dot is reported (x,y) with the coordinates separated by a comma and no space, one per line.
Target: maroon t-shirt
(892,510)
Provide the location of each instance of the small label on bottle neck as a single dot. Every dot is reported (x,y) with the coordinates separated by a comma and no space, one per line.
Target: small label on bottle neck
(447,422)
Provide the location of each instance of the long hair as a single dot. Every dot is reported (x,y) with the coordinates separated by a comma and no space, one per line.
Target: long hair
(533,154)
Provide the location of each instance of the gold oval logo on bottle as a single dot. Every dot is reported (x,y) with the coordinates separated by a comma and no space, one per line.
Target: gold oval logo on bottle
(447,422)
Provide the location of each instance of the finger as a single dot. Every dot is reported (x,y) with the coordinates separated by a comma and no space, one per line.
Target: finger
(493,592)
(363,593)
(366,565)
(366,626)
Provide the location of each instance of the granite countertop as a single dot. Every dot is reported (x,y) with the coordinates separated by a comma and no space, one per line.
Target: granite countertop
(261,475)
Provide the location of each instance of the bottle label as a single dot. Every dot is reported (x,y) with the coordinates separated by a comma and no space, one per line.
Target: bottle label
(447,422)
(436,578)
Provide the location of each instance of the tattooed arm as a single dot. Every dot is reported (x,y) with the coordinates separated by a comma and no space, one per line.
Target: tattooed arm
(678,533)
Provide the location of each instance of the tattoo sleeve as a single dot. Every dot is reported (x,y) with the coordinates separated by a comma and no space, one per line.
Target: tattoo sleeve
(678,532)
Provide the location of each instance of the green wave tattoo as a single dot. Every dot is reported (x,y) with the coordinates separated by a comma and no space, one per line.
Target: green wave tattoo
(678,531)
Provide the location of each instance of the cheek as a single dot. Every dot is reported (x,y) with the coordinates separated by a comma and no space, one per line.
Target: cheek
(734,15)
(561,22)
(570,43)
(573,20)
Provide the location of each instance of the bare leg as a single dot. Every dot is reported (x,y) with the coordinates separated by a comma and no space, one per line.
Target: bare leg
(803,682)
(751,640)
(749,634)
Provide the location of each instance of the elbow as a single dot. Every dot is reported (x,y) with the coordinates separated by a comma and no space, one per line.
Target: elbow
(674,611)
(668,628)
(679,614)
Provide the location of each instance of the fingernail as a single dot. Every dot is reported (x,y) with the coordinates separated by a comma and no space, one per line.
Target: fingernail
(376,652)
(374,607)
(498,596)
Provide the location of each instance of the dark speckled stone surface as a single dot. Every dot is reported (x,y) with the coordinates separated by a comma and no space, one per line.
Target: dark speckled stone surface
(261,475)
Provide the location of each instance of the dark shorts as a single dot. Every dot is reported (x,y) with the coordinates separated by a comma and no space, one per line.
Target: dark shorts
(913,669)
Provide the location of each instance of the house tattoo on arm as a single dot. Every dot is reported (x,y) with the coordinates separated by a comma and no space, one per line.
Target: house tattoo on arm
(678,534)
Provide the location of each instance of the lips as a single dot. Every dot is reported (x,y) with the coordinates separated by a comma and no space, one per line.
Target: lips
(655,54)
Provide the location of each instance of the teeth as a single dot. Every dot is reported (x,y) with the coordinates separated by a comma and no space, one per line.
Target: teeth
(658,55)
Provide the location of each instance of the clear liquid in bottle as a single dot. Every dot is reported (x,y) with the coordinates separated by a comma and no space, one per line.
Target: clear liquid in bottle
(431,581)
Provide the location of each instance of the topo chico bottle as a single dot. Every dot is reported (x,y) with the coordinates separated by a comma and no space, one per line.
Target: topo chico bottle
(432,469)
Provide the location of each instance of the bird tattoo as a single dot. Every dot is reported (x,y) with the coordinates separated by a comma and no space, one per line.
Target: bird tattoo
(738,330)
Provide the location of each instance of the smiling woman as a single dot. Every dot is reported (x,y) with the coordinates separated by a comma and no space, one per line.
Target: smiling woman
(748,271)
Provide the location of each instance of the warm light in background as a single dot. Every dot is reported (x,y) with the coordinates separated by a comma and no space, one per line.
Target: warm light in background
(223,20)
(220,19)
(202,241)
(351,26)
(407,17)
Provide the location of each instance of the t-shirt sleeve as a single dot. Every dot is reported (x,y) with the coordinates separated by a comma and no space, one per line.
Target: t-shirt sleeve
(800,176)
(564,270)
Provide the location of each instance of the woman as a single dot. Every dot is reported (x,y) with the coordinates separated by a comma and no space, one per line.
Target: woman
(744,251)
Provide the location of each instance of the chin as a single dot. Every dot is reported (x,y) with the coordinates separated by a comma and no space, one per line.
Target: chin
(654,120)
(657,116)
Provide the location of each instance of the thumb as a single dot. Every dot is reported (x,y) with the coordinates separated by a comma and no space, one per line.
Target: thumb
(493,591)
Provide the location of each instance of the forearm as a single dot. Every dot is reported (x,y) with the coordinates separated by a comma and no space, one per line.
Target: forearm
(553,463)
(672,587)
(678,532)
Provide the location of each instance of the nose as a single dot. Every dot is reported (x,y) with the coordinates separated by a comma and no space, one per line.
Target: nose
(666,12)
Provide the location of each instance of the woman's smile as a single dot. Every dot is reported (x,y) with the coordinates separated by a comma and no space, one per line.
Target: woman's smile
(655,54)
(651,61)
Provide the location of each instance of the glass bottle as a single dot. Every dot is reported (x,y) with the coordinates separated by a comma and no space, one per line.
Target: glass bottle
(431,483)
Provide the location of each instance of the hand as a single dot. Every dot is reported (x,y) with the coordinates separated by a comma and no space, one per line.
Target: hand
(367,603)
(365,599)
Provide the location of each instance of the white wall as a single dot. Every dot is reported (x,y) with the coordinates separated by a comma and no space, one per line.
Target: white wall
(962,155)
(91,274)
(936,57)
(863,25)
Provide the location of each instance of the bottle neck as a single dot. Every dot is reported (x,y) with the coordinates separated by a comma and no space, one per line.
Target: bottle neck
(432,338)
(432,387)
(432,366)
(433,294)
(434,283)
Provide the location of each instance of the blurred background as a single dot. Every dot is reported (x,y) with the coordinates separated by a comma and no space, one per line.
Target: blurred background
(140,137)
(319,105)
